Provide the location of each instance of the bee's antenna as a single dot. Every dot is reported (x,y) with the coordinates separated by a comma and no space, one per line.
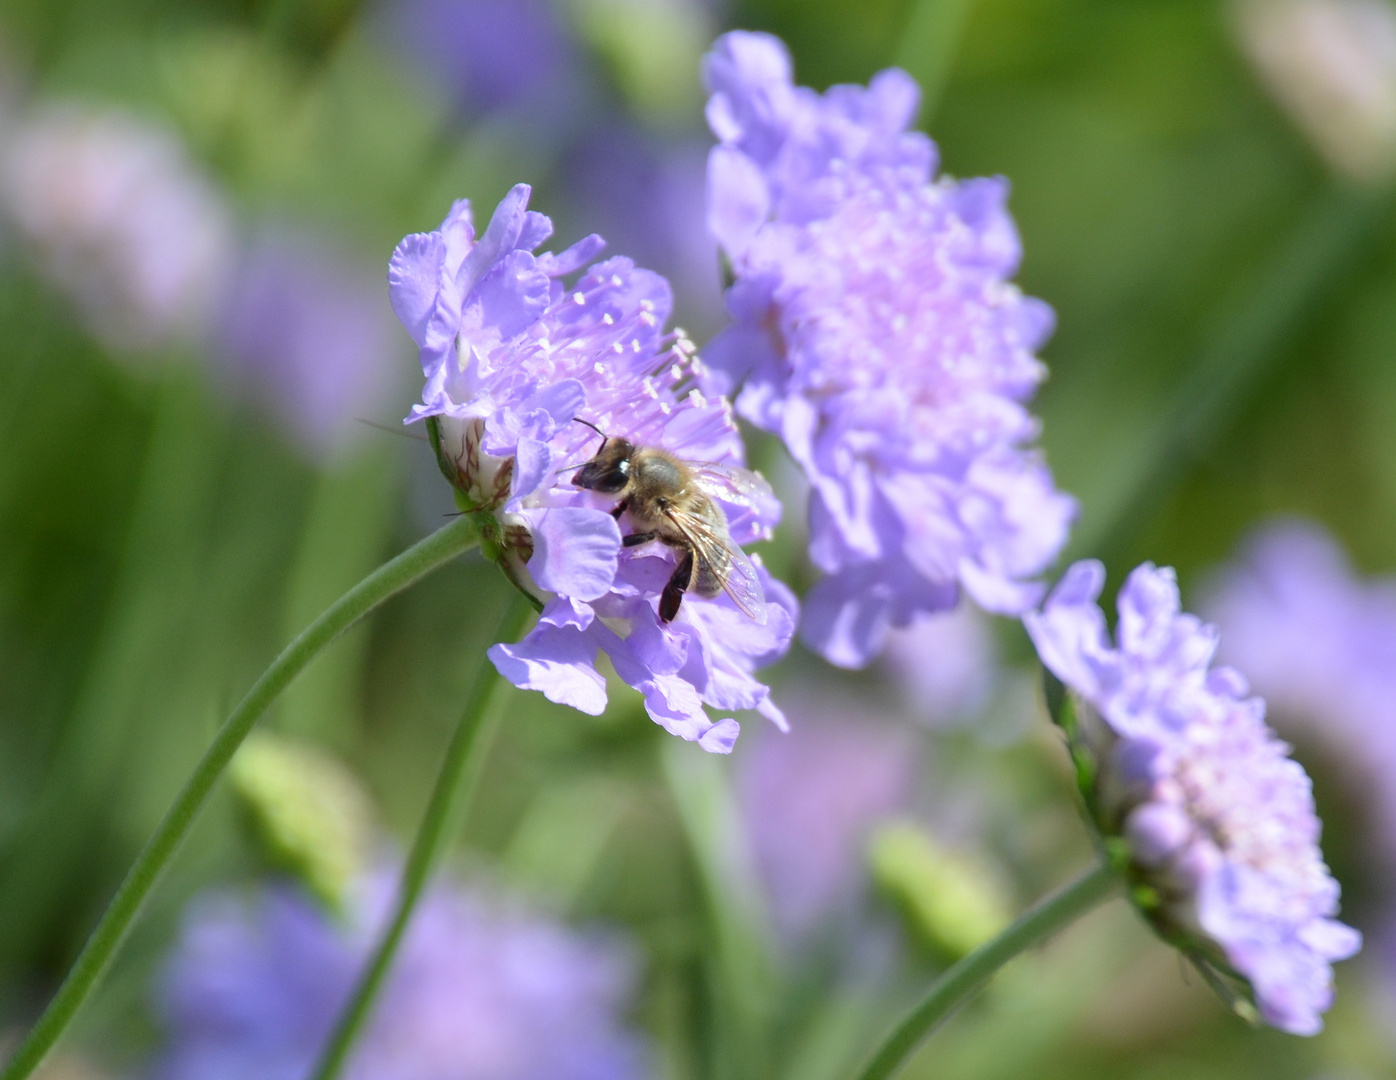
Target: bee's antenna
(604,437)
(391,430)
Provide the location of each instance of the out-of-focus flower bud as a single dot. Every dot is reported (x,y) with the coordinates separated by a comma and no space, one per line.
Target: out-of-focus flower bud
(309,810)
(1331,64)
(952,903)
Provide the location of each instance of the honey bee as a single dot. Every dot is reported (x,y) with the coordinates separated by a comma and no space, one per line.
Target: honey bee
(674,502)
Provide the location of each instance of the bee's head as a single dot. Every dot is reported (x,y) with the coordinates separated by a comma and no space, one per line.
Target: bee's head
(609,471)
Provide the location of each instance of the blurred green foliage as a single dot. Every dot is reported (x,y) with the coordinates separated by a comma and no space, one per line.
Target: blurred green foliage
(159,540)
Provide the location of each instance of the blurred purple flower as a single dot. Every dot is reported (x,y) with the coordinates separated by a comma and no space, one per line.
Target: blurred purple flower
(1320,643)
(1218,819)
(122,220)
(308,330)
(478,992)
(490,55)
(809,802)
(511,357)
(876,332)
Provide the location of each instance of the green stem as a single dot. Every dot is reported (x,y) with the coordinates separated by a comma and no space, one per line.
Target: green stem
(390,578)
(953,988)
(450,799)
(740,964)
(1309,268)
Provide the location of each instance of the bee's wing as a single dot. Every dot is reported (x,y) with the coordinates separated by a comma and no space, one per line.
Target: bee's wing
(737,487)
(713,545)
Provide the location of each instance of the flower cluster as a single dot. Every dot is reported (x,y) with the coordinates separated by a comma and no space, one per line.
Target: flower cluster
(512,359)
(876,332)
(1214,820)
(477,991)
(1320,643)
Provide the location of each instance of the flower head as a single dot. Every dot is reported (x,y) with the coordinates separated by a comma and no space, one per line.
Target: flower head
(1319,642)
(512,358)
(876,332)
(121,220)
(1212,819)
(477,991)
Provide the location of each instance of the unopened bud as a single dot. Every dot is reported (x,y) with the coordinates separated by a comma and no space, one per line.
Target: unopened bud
(310,812)
(1331,64)
(951,902)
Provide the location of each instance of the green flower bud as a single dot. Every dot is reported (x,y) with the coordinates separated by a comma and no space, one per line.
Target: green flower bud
(951,902)
(309,811)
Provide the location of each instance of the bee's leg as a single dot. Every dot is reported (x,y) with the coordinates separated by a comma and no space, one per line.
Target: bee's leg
(636,539)
(620,508)
(672,596)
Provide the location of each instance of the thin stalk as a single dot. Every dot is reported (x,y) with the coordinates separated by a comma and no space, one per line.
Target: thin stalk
(960,982)
(741,966)
(390,578)
(450,800)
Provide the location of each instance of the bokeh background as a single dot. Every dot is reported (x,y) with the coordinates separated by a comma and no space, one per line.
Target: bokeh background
(198,199)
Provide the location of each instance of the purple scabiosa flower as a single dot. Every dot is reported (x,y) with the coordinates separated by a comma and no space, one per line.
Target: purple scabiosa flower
(810,801)
(121,220)
(1316,639)
(512,358)
(1194,795)
(875,330)
(309,332)
(1320,643)
(479,991)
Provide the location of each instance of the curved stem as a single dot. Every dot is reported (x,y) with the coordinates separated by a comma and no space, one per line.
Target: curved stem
(392,577)
(956,985)
(450,798)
